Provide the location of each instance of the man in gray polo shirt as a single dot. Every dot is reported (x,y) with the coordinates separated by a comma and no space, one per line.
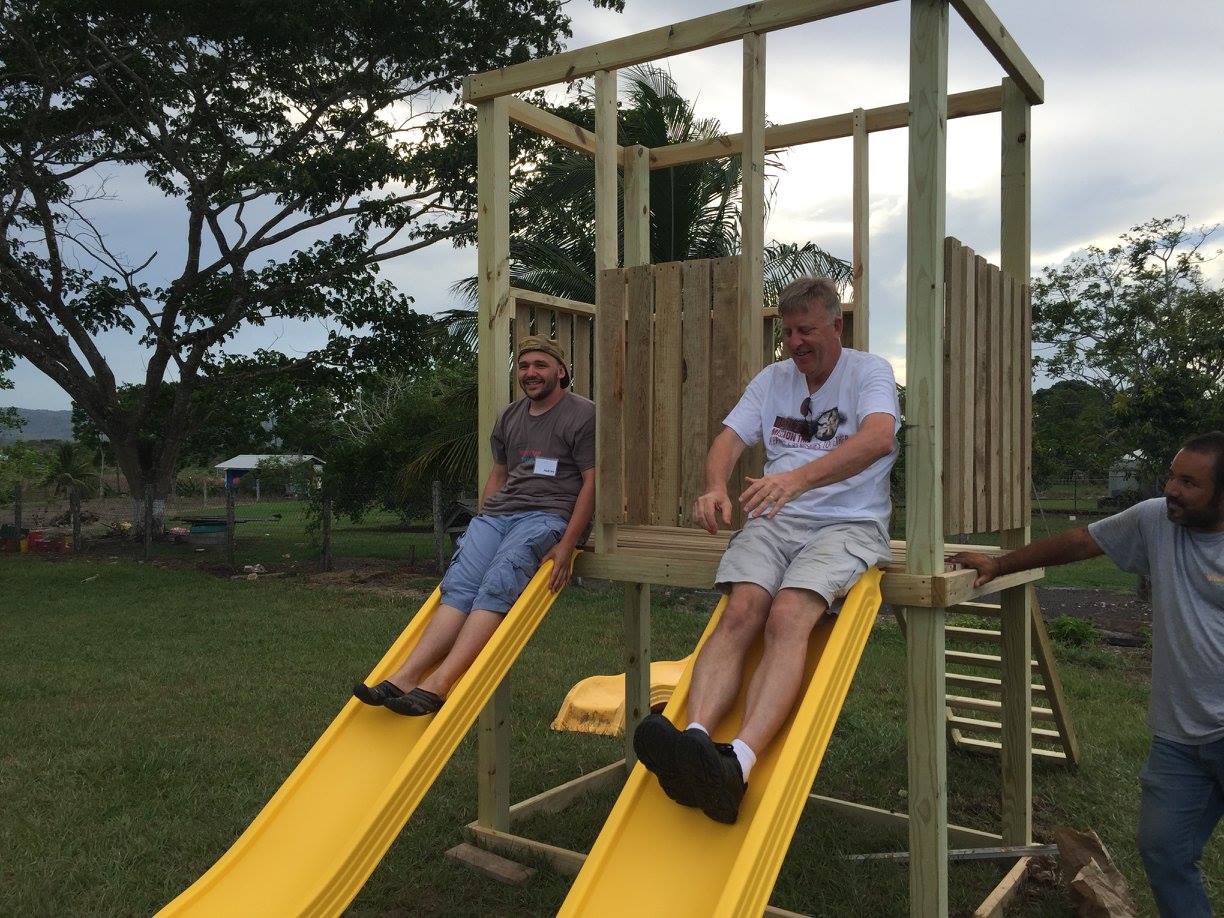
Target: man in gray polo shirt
(1178,542)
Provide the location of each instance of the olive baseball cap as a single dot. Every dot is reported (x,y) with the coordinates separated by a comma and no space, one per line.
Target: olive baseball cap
(549,346)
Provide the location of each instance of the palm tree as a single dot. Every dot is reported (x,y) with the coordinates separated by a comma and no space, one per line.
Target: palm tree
(68,467)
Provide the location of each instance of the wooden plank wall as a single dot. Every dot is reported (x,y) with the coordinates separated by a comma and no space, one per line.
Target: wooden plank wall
(987,403)
(676,354)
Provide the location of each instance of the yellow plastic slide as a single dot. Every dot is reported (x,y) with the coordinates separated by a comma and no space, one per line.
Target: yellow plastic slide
(322,834)
(655,857)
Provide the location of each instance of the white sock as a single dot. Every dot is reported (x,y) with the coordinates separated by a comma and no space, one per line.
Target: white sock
(745,755)
(696,726)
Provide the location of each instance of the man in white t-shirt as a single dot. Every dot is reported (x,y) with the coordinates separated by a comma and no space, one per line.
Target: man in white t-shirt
(817,519)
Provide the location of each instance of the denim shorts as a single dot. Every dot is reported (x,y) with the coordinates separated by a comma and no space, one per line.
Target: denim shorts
(496,557)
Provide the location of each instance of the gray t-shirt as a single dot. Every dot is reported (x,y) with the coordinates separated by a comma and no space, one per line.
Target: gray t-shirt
(545,456)
(1187,573)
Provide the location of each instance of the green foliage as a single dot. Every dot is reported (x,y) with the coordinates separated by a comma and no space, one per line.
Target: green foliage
(9,419)
(1072,422)
(1074,632)
(1140,323)
(303,156)
(71,466)
(20,463)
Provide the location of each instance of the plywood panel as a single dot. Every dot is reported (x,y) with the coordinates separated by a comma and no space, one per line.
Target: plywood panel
(665,427)
(609,396)
(695,391)
(639,306)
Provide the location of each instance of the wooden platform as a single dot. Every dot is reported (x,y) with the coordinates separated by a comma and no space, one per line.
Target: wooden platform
(683,557)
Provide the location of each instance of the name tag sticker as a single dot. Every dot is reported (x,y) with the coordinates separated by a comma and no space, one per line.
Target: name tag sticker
(545,466)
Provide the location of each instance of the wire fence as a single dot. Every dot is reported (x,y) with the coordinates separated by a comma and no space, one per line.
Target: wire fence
(236,529)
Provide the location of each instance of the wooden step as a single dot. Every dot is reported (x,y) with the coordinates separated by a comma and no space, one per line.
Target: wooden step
(993,748)
(981,635)
(985,682)
(983,609)
(990,726)
(986,660)
(970,703)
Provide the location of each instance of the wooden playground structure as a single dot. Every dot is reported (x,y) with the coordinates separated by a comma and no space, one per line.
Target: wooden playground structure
(666,350)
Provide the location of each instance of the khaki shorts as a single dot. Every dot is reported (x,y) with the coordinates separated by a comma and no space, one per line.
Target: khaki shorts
(826,557)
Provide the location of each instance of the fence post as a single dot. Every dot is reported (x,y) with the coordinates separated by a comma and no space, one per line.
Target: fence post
(229,525)
(327,533)
(17,507)
(74,507)
(148,521)
(439,531)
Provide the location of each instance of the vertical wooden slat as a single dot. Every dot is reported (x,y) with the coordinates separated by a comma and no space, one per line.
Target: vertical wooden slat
(1026,413)
(925,679)
(637,205)
(544,321)
(521,329)
(724,348)
(695,391)
(637,662)
(994,335)
(769,329)
(665,428)
(1007,385)
(609,397)
(752,208)
(607,237)
(861,247)
(565,335)
(639,308)
(954,358)
(582,355)
(981,405)
(968,399)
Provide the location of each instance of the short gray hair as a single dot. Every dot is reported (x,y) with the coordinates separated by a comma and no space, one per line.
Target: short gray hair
(807,293)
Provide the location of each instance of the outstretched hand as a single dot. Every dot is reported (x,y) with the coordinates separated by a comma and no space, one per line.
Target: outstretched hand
(709,507)
(767,495)
(986,566)
(561,555)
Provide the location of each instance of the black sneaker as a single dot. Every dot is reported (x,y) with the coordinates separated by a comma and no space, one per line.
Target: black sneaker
(417,703)
(655,743)
(377,694)
(712,774)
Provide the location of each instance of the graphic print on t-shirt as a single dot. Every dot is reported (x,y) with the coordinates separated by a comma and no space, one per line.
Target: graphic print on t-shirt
(819,432)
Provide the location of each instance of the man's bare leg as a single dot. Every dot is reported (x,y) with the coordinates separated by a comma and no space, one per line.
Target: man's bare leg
(472,638)
(720,665)
(775,685)
(434,644)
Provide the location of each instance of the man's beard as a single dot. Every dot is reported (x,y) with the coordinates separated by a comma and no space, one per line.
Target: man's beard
(547,388)
(1210,517)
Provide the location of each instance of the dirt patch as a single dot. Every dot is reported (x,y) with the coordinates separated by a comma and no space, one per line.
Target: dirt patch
(1116,613)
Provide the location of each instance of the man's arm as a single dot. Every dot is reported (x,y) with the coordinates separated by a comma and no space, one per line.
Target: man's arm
(1072,545)
(561,553)
(496,481)
(874,440)
(724,452)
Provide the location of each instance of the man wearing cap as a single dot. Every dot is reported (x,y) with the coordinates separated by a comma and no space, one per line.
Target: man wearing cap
(535,507)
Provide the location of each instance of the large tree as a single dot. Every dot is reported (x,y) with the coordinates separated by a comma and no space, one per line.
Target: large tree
(1142,323)
(305,144)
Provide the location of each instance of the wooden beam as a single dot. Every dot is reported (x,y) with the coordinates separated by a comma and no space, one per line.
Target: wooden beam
(637,205)
(607,235)
(994,905)
(556,799)
(927,759)
(861,207)
(752,210)
(493,866)
(654,44)
(559,303)
(983,22)
(831,127)
(553,126)
(962,836)
(637,662)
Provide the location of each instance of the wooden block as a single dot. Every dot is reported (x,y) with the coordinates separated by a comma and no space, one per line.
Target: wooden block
(666,384)
(639,309)
(981,405)
(493,866)
(695,388)
(609,396)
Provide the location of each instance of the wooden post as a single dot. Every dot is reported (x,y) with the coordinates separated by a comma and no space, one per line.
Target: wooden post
(229,524)
(607,232)
(493,283)
(327,533)
(752,210)
(148,521)
(928,804)
(74,509)
(637,205)
(439,529)
(1016,739)
(637,662)
(862,233)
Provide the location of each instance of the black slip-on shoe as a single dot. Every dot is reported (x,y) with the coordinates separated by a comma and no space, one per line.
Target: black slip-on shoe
(712,773)
(655,742)
(376,694)
(416,703)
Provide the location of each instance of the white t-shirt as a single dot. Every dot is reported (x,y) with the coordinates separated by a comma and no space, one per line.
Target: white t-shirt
(770,410)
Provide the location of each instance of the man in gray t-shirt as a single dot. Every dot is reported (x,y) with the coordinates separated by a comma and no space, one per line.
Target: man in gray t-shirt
(1178,542)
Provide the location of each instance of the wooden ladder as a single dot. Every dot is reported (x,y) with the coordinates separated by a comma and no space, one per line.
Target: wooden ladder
(973,698)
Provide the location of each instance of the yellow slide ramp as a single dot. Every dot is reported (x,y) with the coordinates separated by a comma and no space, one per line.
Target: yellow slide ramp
(319,838)
(656,858)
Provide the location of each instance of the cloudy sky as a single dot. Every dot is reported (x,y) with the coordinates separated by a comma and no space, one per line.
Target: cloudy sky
(1132,128)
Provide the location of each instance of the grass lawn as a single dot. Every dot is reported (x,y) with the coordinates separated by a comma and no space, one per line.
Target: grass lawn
(149,713)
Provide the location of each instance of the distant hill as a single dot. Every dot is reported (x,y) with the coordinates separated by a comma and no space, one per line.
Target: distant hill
(40,424)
